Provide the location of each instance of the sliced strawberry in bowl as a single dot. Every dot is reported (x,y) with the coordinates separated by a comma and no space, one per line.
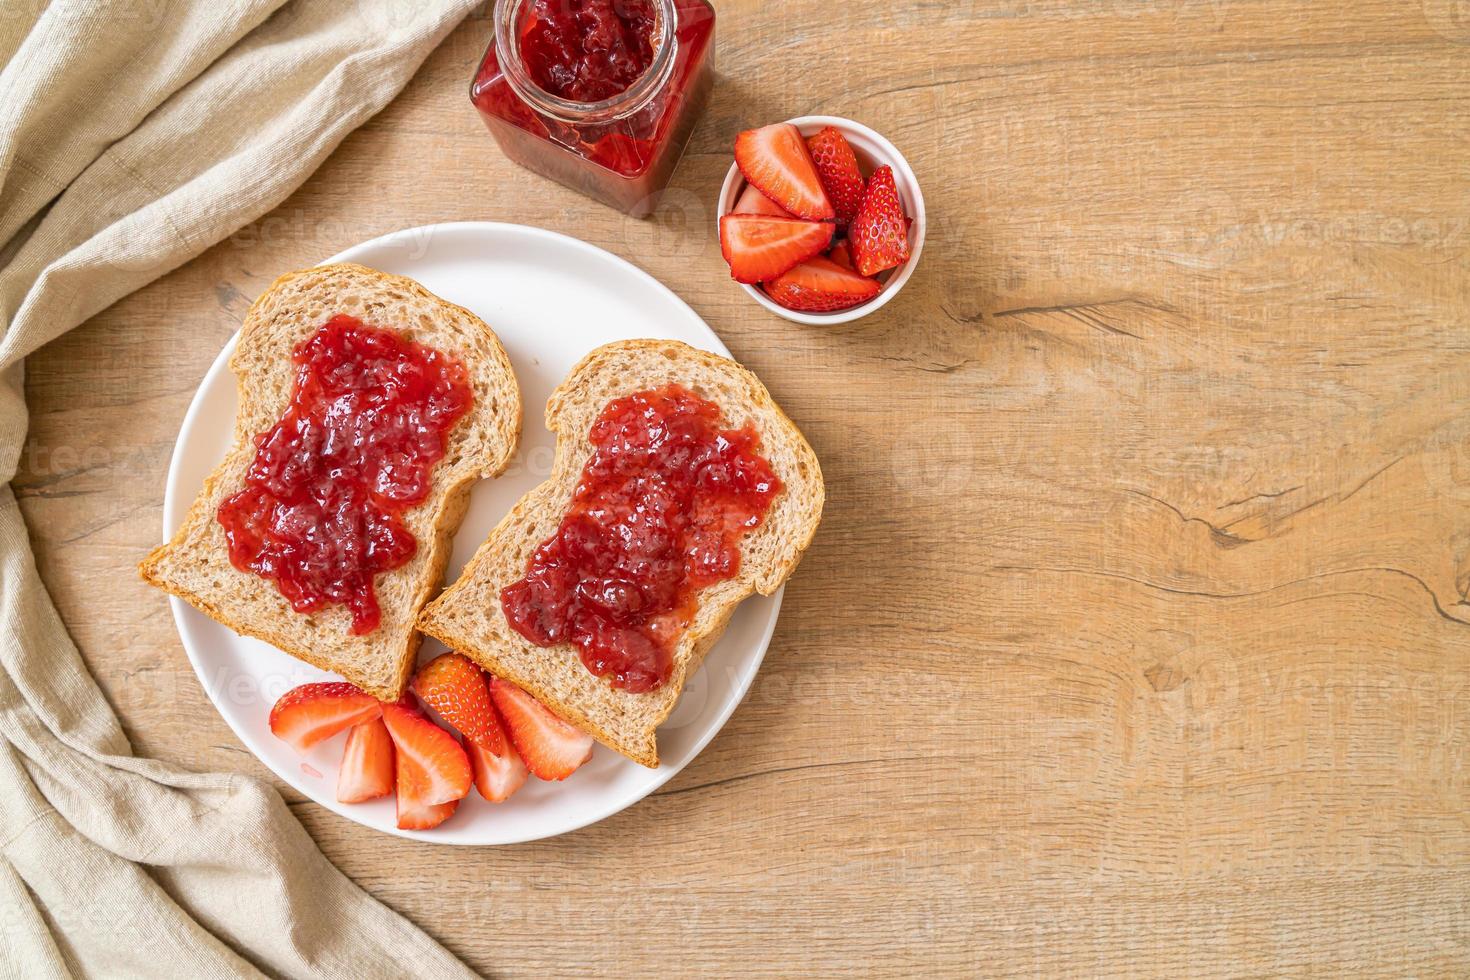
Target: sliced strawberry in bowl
(752,201)
(837,166)
(455,687)
(821,285)
(841,151)
(432,766)
(841,254)
(775,159)
(367,763)
(497,774)
(312,713)
(551,748)
(760,246)
(879,233)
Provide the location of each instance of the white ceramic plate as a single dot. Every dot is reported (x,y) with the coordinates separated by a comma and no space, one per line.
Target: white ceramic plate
(551,299)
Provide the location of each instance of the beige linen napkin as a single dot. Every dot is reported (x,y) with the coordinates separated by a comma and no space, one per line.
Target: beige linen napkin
(133,135)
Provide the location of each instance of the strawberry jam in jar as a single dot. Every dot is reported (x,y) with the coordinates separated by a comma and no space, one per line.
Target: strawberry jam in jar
(598,95)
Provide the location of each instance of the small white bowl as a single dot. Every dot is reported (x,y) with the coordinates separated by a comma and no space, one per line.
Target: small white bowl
(873,151)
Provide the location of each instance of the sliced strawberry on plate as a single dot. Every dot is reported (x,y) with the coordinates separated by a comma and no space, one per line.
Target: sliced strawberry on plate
(367,763)
(310,713)
(497,775)
(423,816)
(551,748)
(455,687)
(879,233)
(841,254)
(432,765)
(821,286)
(761,246)
(837,166)
(753,201)
(775,159)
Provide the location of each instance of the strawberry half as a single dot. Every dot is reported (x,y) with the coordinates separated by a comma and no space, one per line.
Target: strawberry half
(456,688)
(753,201)
(761,246)
(497,775)
(432,765)
(821,286)
(310,713)
(423,816)
(841,255)
(551,748)
(879,232)
(837,166)
(367,763)
(775,159)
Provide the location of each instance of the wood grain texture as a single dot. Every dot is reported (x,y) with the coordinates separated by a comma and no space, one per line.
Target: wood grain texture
(1135,639)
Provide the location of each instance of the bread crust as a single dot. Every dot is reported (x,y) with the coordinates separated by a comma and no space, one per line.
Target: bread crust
(381,662)
(616,718)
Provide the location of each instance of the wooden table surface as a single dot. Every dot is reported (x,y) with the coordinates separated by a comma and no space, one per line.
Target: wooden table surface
(1135,638)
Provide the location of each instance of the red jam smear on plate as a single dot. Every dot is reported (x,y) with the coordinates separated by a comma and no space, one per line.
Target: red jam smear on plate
(658,515)
(588,50)
(321,512)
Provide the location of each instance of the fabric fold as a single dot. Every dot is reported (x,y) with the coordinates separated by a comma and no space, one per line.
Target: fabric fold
(62,106)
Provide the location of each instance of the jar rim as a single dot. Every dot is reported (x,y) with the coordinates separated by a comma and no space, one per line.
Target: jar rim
(625,103)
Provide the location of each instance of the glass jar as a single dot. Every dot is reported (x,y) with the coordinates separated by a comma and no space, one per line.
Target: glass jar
(621,150)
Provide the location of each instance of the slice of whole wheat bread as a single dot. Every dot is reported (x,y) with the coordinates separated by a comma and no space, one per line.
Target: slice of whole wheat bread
(468,616)
(195,565)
